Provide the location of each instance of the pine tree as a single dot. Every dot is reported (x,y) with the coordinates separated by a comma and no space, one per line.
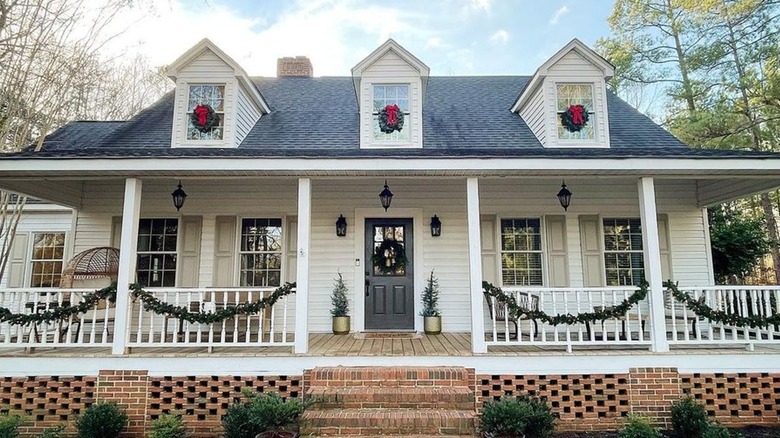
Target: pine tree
(430,297)
(339,298)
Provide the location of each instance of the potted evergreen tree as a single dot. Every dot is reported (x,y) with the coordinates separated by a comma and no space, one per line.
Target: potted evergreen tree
(430,310)
(340,309)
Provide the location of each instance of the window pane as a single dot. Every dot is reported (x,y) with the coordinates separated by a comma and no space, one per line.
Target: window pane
(213,95)
(392,95)
(623,258)
(156,262)
(521,246)
(261,252)
(576,94)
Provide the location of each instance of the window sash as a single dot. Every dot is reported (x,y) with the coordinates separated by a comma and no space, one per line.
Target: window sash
(214,95)
(522,255)
(157,254)
(623,251)
(46,259)
(261,265)
(390,94)
(575,94)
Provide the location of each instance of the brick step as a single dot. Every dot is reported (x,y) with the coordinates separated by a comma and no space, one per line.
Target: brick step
(387,422)
(390,376)
(449,397)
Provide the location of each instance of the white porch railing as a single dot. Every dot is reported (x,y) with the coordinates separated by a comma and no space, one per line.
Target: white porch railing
(90,329)
(273,326)
(633,328)
(686,328)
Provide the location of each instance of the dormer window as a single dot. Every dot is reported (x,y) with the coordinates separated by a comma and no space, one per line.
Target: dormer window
(206,112)
(391,113)
(575,103)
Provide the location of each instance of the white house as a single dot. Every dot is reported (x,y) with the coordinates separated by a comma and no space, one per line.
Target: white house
(474,165)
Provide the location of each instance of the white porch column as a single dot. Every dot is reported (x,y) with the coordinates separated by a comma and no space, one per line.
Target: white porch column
(302,277)
(131,212)
(475,267)
(652,254)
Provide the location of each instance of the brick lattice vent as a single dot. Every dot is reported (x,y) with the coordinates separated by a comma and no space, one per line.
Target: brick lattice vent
(387,401)
(736,399)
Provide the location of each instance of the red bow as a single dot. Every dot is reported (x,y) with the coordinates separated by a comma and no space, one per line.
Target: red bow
(576,114)
(392,120)
(201,111)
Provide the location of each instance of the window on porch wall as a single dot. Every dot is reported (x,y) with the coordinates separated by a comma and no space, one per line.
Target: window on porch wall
(261,252)
(46,259)
(521,252)
(157,243)
(623,256)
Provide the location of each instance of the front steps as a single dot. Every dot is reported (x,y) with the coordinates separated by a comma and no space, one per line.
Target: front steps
(390,401)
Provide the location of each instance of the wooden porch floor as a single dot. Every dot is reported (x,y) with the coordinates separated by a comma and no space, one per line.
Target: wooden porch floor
(355,345)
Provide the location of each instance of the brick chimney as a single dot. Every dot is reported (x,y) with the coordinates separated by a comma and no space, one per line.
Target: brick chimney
(300,66)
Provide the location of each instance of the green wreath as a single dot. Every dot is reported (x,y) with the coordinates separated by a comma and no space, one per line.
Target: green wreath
(568,118)
(385,127)
(205,114)
(389,256)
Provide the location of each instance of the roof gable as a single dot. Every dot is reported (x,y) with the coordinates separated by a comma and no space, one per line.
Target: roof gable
(204,46)
(390,46)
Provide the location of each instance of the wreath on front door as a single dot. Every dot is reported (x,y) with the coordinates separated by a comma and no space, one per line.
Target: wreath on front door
(574,118)
(391,118)
(389,256)
(204,118)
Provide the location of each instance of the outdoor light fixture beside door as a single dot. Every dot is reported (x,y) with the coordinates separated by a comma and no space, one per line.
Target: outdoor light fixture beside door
(386,196)
(178,197)
(564,196)
(341,226)
(435,226)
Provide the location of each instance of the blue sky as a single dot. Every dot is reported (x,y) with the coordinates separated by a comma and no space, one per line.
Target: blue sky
(454,37)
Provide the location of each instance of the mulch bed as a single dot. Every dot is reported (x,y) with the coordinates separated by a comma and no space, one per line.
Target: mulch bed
(747,432)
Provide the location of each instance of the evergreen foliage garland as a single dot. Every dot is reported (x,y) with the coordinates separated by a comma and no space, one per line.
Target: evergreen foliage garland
(204,118)
(391,118)
(702,310)
(56,312)
(339,299)
(575,118)
(521,312)
(430,297)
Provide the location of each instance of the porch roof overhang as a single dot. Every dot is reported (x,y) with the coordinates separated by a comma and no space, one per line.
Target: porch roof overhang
(60,180)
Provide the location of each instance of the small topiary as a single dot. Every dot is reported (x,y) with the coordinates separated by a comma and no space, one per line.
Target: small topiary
(523,416)
(260,413)
(638,427)
(689,419)
(338,300)
(169,426)
(101,420)
(9,425)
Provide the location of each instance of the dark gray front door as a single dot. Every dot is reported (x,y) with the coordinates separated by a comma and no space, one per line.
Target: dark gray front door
(389,293)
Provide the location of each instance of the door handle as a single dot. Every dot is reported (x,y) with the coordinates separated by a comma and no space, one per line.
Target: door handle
(368,284)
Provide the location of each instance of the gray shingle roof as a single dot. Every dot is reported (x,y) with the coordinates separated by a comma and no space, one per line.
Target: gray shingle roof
(318,117)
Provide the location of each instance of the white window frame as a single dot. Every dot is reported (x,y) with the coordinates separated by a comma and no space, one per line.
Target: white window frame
(593,118)
(409,118)
(542,251)
(605,251)
(177,253)
(221,114)
(282,253)
(31,260)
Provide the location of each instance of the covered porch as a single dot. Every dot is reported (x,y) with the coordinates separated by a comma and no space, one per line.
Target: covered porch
(674,244)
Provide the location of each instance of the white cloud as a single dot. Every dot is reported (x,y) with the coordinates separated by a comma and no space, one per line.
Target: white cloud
(433,43)
(500,37)
(563,10)
(481,4)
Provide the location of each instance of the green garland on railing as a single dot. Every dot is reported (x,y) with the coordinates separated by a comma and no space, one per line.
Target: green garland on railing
(521,312)
(55,312)
(704,311)
(153,304)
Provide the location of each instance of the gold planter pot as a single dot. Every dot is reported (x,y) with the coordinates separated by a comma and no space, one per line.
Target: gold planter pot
(432,325)
(340,325)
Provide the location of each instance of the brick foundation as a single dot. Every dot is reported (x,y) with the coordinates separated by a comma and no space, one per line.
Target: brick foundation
(582,401)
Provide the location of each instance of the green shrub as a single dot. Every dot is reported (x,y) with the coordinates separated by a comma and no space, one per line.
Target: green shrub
(101,420)
(169,426)
(689,419)
(715,430)
(52,432)
(259,413)
(638,427)
(523,415)
(9,425)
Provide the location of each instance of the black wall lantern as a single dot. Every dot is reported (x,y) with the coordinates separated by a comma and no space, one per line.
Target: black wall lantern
(178,197)
(564,196)
(435,226)
(386,196)
(341,226)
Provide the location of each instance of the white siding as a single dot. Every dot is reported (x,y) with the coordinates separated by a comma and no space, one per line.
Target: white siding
(445,197)
(247,114)
(574,65)
(42,222)
(390,69)
(534,116)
